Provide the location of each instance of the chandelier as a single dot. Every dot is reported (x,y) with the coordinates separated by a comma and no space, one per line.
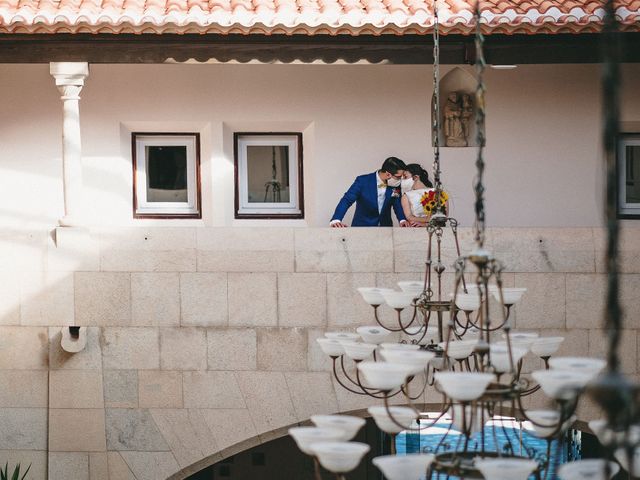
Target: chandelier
(475,360)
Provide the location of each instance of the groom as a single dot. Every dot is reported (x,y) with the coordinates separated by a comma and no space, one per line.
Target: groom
(374,194)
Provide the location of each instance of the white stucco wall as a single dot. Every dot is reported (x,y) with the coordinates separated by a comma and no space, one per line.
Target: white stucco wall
(543,135)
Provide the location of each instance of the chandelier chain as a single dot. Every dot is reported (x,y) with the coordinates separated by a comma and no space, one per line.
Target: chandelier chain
(435,127)
(478,187)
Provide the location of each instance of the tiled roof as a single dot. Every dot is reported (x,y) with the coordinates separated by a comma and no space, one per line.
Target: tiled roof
(333,17)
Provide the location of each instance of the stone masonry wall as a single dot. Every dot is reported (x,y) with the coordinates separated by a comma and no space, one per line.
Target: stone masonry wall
(202,340)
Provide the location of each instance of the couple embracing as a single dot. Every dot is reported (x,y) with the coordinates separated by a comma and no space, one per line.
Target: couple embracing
(394,186)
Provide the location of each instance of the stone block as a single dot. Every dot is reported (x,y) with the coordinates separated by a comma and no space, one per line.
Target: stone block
(23,429)
(9,299)
(545,249)
(72,249)
(311,393)
(245,250)
(253,300)
(232,349)
(77,430)
(585,300)
(68,465)
(131,348)
(159,389)
(211,390)
(46,298)
(183,349)
(24,348)
(317,360)
(575,344)
(24,388)
(203,299)
(120,388)
(102,298)
(98,466)
(162,249)
(302,300)
(151,465)
(543,304)
(75,389)
(88,359)
(282,349)
(267,397)
(23,250)
(345,306)
(229,426)
(186,434)
(36,459)
(628,349)
(350,402)
(630,300)
(118,468)
(628,247)
(339,250)
(155,299)
(133,429)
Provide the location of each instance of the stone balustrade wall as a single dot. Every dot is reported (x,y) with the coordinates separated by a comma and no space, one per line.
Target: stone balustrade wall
(201,341)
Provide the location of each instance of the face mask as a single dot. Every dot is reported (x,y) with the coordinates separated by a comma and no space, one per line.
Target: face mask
(393,182)
(407,184)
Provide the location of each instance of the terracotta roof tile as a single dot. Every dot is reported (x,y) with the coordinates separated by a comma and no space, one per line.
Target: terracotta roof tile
(308,17)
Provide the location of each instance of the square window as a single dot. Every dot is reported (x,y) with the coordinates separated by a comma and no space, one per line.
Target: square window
(268,175)
(166,175)
(629,176)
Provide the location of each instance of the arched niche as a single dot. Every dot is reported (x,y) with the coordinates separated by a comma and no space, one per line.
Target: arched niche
(457,109)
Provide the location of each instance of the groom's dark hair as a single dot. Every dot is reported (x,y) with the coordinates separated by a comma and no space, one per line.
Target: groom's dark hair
(392,165)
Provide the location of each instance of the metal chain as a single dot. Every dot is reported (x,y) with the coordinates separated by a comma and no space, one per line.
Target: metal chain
(435,126)
(478,186)
(611,84)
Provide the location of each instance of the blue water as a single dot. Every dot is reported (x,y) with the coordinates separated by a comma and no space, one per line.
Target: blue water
(505,438)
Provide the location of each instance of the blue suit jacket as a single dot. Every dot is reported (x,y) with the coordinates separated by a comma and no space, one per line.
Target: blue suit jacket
(364,192)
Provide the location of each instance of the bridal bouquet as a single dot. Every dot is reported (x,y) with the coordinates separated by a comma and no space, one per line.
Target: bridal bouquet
(428,200)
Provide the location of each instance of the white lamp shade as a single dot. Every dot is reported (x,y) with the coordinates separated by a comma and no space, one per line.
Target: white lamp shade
(331,346)
(417,333)
(476,423)
(546,346)
(384,375)
(348,424)
(340,457)
(592,469)
(402,415)
(468,301)
(561,384)
(307,436)
(460,349)
(357,350)
(398,300)
(590,366)
(464,386)
(399,346)
(522,339)
(544,422)
(404,467)
(416,360)
(373,295)
(374,334)
(501,360)
(632,467)
(354,337)
(414,287)
(505,468)
(509,295)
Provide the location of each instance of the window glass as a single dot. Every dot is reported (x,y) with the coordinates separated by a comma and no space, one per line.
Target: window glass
(268,174)
(632,174)
(166,173)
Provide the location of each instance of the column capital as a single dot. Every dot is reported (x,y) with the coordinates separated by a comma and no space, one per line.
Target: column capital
(69,73)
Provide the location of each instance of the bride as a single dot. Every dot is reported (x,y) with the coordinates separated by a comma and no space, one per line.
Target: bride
(414,185)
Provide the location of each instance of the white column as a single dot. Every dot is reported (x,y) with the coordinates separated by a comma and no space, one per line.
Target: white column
(70,78)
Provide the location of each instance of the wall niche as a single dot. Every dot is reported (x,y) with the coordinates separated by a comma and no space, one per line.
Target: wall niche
(457,109)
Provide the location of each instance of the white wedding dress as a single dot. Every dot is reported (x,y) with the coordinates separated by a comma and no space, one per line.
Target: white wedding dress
(414,197)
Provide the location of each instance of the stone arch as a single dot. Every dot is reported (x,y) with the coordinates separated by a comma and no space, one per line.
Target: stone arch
(458,80)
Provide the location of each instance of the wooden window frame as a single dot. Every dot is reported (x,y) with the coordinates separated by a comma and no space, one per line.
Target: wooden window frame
(623,138)
(300,183)
(198,194)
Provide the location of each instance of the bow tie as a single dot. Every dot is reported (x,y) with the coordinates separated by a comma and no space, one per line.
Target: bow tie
(382,185)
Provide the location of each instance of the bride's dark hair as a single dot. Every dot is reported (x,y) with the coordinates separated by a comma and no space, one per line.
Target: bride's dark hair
(416,170)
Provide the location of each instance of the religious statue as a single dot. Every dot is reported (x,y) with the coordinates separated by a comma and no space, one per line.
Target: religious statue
(458,112)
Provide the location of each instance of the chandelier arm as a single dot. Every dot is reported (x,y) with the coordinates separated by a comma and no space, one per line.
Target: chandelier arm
(479,225)
(407,394)
(335,375)
(379,322)
(373,392)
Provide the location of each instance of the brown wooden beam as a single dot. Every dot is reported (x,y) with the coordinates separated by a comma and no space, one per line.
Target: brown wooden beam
(408,49)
